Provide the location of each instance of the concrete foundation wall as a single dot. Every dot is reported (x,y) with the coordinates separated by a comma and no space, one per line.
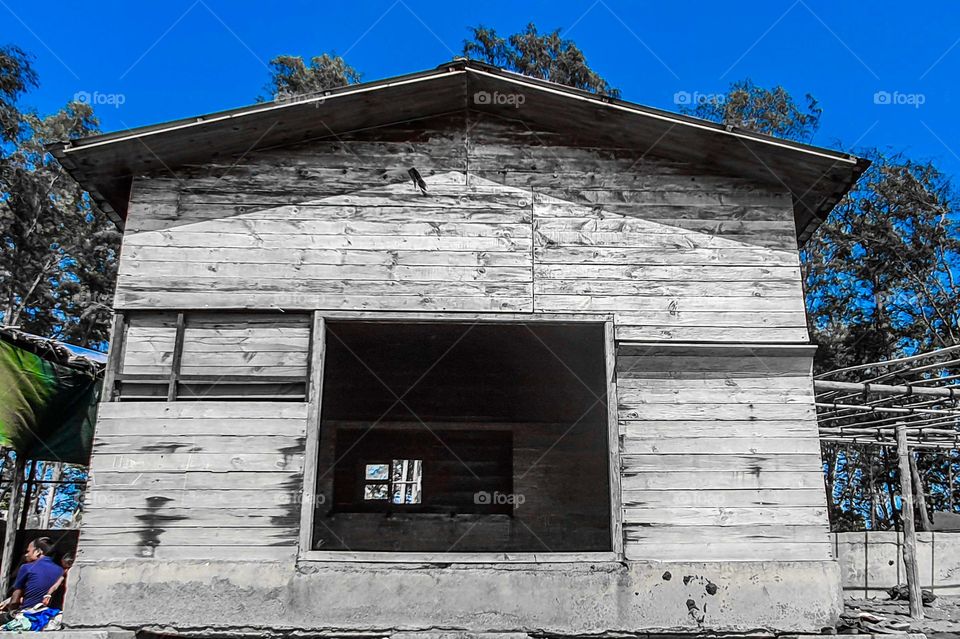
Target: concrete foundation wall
(551,598)
(872,562)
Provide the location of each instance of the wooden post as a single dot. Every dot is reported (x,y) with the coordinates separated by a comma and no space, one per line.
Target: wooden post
(308,497)
(873,494)
(114,358)
(919,494)
(28,494)
(950,480)
(613,440)
(13,518)
(909,528)
(55,478)
(174,380)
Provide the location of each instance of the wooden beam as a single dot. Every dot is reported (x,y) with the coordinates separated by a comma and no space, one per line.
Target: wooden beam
(901,360)
(314,397)
(883,389)
(114,357)
(909,528)
(866,440)
(447,558)
(888,409)
(28,494)
(613,440)
(10,534)
(177,357)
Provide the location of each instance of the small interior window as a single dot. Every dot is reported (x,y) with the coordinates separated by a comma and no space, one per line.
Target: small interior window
(399,482)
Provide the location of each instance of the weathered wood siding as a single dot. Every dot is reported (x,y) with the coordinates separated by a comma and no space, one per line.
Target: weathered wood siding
(515,220)
(218,344)
(720,455)
(195,480)
(718,449)
(675,252)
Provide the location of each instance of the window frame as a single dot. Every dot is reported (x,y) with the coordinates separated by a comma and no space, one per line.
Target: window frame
(306,553)
(390,483)
(174,381)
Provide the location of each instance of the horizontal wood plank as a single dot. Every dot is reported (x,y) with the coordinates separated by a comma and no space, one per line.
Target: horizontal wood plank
(96,554)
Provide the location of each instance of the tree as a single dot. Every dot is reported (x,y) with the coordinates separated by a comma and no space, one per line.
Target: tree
(16,77)
(881,281)
(546,56)
(882,271)
(291,76)
(771,111)
(58,266)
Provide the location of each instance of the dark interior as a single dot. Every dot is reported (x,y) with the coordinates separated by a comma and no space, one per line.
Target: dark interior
(507,422)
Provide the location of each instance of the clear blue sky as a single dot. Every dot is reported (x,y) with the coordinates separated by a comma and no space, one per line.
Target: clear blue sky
(179,58)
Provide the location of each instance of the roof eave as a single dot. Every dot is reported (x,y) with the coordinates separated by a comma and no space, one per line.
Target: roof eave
(809,214)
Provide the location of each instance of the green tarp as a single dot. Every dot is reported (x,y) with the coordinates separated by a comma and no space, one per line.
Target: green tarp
(47,410)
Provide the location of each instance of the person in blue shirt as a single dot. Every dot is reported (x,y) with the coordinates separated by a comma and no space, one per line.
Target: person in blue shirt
(36,576)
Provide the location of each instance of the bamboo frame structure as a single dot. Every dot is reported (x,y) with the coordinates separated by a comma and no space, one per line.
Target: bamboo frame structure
(13,516)
(905,403)
(916,392)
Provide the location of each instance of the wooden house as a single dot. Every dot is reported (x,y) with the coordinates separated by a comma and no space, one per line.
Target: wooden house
(457,351)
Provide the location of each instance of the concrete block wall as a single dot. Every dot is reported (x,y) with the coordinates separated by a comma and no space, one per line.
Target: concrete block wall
(872,562)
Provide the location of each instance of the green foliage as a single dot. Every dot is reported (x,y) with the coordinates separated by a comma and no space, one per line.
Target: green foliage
(881,272)
(769,111)
(881,281)
(291,76)
(58,264)
(16,77)
(546,56)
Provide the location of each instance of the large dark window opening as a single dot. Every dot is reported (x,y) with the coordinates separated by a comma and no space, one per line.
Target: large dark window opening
(453,437)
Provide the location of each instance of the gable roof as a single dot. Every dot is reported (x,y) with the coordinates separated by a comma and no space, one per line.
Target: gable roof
(104,164)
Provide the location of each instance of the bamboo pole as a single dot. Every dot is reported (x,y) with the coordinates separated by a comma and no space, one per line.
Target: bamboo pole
(900,360)
(909,527)
(27,495)
(55,478)
(10,534)
(919,494)
(888,409)
(950,480)
(873,493)
(868,440)
(884,389)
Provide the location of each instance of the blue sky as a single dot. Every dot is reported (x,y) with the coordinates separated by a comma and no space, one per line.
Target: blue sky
(884,72)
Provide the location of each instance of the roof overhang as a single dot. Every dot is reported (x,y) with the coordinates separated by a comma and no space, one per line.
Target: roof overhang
(105,164)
